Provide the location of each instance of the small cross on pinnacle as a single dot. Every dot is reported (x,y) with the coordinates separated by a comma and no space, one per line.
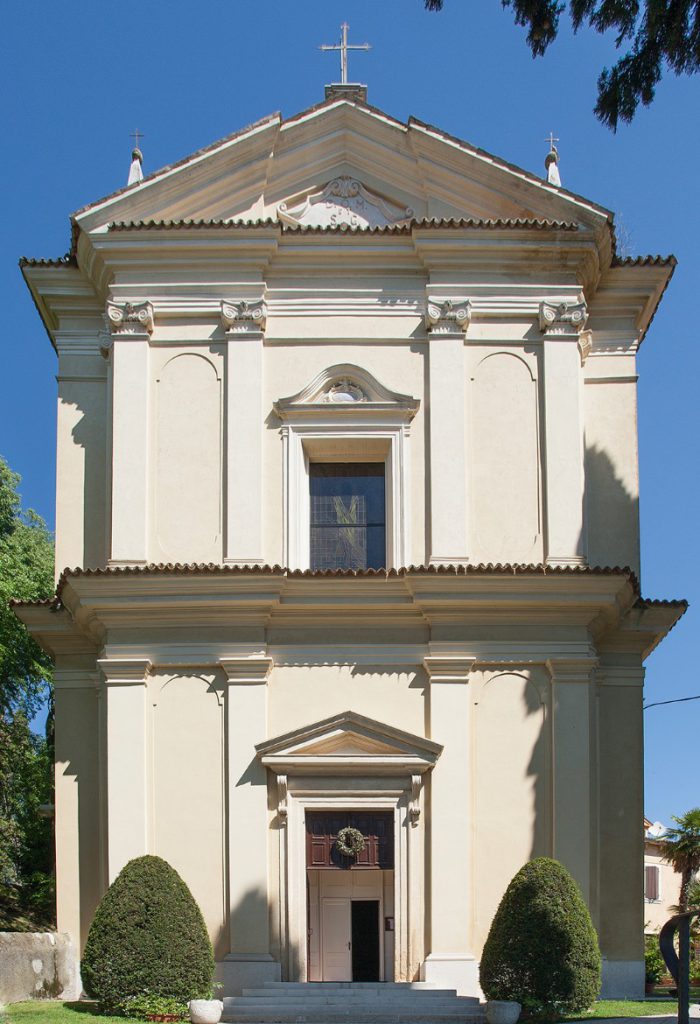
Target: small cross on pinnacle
(551,140)
(137,136)
(344,46)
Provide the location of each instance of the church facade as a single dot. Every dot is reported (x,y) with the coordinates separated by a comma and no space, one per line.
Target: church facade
(348,624)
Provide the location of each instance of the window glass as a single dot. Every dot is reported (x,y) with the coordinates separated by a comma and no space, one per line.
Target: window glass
(348,524)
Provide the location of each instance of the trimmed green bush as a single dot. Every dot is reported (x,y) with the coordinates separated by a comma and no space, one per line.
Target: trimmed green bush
(542,949)
(148,937)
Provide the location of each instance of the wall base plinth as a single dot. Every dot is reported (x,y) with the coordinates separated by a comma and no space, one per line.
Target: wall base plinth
(622,979)
(239,971)
(453,970)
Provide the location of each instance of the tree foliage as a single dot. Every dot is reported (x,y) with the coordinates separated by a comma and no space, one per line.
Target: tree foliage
(148,937)
(681,849)
(657,34)
(542,949)
(26,844)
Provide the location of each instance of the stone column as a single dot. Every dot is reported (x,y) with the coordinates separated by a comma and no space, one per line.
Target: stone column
(131,327)
(563,431)
(127,760)
(244,323)
(573,702)
(447,322)
(249,961)
(450,962)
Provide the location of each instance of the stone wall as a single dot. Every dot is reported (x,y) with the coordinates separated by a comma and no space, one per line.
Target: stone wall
(37,965)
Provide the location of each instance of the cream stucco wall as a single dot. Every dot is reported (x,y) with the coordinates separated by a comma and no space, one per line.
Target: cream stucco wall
(499,710)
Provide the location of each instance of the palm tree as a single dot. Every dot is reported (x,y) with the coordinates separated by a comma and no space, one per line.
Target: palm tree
(681,849)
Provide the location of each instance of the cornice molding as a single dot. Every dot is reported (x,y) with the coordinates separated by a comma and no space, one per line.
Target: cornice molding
(125,671)
(571,670)
(445,668)
(247,670)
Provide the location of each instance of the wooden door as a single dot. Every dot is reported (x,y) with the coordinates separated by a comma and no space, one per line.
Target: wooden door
(336,956)
(322,829)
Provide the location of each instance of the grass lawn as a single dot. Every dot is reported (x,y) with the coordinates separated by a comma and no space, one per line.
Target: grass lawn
(606,1008)
(40,1011)
(49,1012)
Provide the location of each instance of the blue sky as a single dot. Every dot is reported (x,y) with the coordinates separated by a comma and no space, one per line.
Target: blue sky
(77,77)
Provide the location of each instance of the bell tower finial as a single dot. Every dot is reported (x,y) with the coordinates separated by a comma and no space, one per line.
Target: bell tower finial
(136,170)
(551,161)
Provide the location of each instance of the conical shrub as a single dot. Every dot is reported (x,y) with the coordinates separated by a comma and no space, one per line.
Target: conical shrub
(542,949)
(148,937)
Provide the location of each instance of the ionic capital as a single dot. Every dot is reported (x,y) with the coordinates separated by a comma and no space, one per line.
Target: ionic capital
(447,316)
(244,318)
(563,318)
(130,319)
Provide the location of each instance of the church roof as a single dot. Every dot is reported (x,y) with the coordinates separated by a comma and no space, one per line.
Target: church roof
(276,119)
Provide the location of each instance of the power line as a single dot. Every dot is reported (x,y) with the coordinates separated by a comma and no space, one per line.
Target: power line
(678,700)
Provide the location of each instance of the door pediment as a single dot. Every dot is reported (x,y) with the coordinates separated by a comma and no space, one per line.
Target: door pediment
(348,744)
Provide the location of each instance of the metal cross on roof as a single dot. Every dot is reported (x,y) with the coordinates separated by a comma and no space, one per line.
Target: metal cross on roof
(137,136)
(551,140)
(344,46)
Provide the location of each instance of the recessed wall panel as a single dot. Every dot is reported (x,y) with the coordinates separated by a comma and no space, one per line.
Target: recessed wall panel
(188,460)
(504,480)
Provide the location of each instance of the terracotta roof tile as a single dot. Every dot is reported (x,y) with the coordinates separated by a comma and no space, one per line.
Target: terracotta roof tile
(402,227)
(68,260)
(483,569)
(644,261)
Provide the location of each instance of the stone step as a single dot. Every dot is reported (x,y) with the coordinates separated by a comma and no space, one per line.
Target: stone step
(347,1002)
(394,1006)
(353,1016)
(381,986)
(340,994)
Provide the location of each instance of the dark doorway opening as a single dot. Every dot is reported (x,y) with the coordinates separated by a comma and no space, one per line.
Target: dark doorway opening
(365,940)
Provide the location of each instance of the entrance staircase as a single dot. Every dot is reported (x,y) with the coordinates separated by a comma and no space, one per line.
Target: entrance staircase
(345,1002)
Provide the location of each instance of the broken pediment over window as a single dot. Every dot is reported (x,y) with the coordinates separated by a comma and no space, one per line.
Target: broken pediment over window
(344,202)
(345,387)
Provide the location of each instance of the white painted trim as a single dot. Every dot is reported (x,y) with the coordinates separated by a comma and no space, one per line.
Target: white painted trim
(299,437)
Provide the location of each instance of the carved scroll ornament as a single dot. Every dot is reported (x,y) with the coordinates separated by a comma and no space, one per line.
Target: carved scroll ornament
(130,317)
(243,316)
(563,317)
(447,316)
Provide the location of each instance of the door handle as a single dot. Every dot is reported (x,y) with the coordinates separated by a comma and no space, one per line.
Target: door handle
(349,945)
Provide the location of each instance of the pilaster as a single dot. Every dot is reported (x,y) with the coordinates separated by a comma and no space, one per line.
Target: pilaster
(131,326)
(450,961)
(562,325)
(249,960)
(77,809)
(127,760)
(244,323)
(573,778)
(446,321)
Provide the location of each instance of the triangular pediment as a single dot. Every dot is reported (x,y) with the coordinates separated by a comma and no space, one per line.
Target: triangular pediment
(341,164)
(348,743)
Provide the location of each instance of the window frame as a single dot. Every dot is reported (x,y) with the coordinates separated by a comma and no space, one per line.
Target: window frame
(307,444)
(345,463)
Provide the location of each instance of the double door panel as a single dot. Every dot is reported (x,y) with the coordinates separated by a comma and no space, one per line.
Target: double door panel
(350,939)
